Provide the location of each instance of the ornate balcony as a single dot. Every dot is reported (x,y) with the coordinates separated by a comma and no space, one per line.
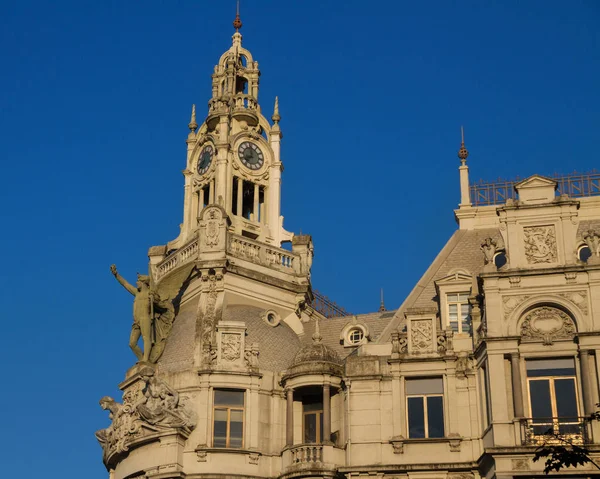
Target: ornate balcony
(307,453)
(555,430)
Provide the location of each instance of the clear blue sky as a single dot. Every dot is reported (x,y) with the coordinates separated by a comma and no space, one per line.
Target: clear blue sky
(95,99)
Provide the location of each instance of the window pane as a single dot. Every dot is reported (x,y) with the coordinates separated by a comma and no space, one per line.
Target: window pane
(452,297)
(236,428)
(416,417)
(539,393)
(566,399)
(228,397)
(550,367)
(310,427)
(425,386)
(220,428)
(435,416)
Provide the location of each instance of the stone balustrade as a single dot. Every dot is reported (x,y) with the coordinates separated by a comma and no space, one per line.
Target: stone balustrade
(259,253)
(307,453)
(238,246)
(180,257)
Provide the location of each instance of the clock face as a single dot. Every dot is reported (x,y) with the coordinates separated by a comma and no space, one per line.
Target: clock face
(205,159)
(250,155)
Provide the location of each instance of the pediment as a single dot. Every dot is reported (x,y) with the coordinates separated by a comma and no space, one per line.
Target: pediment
(536,189)
(536,181)
(455,278)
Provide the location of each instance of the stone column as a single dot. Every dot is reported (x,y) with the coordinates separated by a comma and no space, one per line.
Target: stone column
(586,379)
(516,385)
(289,424)
(326,414)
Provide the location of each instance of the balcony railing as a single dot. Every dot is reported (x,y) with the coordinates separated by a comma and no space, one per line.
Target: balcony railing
(576,185)
(307,453)
(555,430)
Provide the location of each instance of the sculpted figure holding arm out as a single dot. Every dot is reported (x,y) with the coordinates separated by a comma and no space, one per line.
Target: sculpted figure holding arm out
(142,313)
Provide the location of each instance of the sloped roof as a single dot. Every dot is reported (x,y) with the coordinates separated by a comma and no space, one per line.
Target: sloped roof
(461,252)
(331,328)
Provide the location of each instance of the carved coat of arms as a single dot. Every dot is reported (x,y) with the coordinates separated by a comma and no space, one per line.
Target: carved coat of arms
(212,232)
(540,244)
(231,345)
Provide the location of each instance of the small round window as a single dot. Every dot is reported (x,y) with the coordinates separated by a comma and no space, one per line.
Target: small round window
(584,253)
(271,318)
(355,336)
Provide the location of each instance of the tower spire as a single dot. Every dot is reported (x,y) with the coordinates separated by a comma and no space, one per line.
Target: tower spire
(382,304)
(192,125)
(463,153)
(276,117)
(463,170)
(237,23)
(316,337)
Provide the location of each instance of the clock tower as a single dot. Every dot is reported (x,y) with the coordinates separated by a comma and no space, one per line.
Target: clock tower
(233,157)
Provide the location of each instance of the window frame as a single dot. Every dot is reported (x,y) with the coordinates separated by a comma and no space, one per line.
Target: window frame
(229,408)
(424,397)
(459,303)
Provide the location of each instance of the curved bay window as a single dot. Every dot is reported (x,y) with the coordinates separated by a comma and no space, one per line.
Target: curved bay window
(228,418)
(553,400)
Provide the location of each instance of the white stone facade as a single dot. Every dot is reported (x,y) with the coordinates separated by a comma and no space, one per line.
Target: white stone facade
(255,382)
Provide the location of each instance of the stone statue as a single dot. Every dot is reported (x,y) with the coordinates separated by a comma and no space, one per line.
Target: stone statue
(489,248)
(160,405)
(164,315)
(107,403)
(143,311)
(592,239)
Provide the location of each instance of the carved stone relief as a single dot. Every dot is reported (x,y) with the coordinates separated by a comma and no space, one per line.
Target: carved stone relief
(520,464)
(509,303)
(421,336)
(540,244)
(231,345)
(150,405)
(547,324)
(578,298)
(212,230)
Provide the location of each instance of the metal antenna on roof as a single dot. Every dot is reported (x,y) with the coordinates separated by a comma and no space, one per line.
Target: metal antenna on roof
(382,305)
(237,23)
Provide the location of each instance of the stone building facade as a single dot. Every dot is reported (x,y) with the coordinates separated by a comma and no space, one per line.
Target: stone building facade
(496,345)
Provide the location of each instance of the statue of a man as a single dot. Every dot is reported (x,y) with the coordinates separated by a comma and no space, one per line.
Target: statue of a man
(142,313)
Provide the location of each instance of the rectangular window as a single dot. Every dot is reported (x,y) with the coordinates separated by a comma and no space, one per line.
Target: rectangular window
(425,407)
(312,419)
(553,396)
(486,392)
(459,312)
(228,418)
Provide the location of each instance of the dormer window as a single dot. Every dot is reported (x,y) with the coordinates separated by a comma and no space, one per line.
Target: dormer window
(354,333)
(459,313)
(355,336)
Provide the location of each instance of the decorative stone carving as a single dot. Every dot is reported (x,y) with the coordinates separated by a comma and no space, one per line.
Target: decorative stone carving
(212,229)
(398,444)
(578,298)
(571,277)
(515,281)
(460,475)
(443,342)
(421,336)
(540,244)
(489,248)
(592,240)
(520,464)
(463,366)
(454,441)
(510,303)
(231,345)
(251,356)
(547,324)
(148,407)
(201,453)
(253,458)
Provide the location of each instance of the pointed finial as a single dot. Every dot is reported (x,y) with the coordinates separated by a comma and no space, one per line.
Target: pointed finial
(237,23)
(192,125)
(463,153)
(276,117)
(382,305)
(316,337)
